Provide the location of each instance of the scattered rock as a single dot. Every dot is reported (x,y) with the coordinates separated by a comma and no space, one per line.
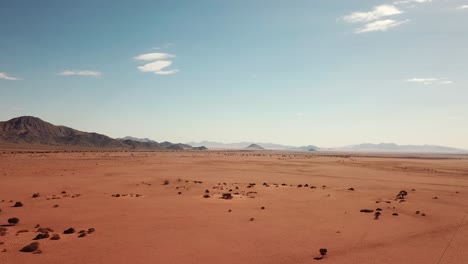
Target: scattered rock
(18,204)
(55,237)
(70,230)
(41,236)
(13,220)
(44,230)
(34,246)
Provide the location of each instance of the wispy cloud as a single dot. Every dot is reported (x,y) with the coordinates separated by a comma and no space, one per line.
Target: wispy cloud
(5,76)
(428,81)
(378,19)
(380,25)
(377,13)
(154,56)
(406,2)
(80,73)
(160,61)
(463,7)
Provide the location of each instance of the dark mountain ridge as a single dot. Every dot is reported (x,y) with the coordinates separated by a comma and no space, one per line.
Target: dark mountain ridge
(29,130)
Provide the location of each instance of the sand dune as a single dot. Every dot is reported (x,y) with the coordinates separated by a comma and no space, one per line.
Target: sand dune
(149,207)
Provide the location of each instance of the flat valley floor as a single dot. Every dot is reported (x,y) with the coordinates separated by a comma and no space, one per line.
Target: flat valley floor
(149,207)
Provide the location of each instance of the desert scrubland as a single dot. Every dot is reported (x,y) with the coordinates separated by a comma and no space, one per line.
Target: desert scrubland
(279,207)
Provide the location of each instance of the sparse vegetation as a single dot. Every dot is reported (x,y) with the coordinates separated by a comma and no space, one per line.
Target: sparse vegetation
(226,196)
(323,252)
(18,204)
(36,195)
(366,211)
(401,195)
(377,215)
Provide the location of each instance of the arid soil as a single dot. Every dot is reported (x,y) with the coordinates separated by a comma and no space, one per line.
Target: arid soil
(167,207)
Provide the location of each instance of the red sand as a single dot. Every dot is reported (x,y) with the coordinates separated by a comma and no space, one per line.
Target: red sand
(162,226)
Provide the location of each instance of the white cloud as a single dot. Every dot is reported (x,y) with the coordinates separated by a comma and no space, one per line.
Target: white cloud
(80,73)
(380,25)
(154,56)
(377,13)
(463,7)
(160,61)
(429,81)
(157,67)
(446,82)
(5,76)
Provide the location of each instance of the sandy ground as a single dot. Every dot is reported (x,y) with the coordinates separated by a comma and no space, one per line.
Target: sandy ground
(156,223)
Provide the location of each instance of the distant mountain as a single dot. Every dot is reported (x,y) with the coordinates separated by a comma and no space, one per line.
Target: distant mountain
(392,147)
(29,130)
(136,139)
(254,147)
(243,145)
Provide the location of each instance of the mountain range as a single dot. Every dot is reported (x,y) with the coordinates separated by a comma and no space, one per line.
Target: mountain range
(392,147)
(243,145)
(29,130)
(365,147)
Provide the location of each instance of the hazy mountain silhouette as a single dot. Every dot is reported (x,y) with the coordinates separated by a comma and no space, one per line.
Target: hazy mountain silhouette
(243,145)
(392,147)
(136,139)
(255,147)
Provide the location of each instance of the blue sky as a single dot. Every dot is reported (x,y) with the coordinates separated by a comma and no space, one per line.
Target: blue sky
(328,73)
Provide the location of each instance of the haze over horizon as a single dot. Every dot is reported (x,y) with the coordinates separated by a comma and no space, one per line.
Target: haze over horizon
(328,73)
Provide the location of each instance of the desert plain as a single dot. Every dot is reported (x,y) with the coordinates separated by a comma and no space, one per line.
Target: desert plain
(167,207)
